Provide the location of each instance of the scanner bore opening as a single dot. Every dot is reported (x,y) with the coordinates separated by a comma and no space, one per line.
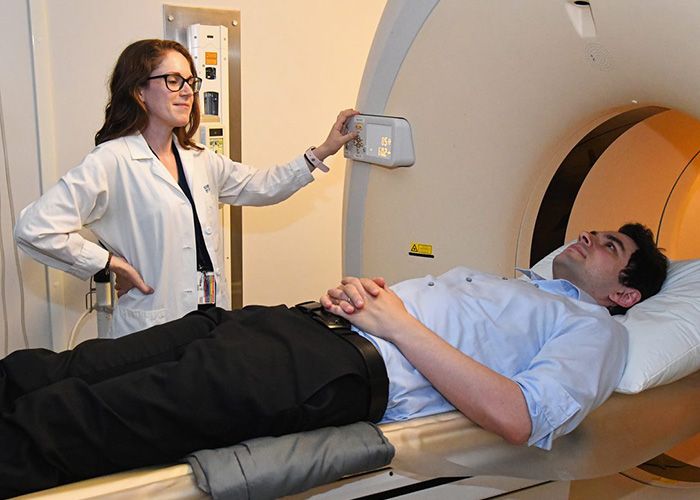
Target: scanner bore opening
(655,164)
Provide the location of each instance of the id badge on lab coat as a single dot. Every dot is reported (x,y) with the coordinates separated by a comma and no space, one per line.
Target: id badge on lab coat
(206,288)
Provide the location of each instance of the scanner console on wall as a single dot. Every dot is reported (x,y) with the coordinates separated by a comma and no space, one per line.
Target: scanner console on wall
(382,140)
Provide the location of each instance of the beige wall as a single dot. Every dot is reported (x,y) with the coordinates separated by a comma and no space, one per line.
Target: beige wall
(301,62)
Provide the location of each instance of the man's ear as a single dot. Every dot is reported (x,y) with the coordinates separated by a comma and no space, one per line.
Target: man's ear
(626,297)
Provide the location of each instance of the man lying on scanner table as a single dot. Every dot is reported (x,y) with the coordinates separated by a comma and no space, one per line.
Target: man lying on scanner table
(525,359)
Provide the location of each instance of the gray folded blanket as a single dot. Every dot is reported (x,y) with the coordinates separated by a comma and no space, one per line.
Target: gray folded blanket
(272,467)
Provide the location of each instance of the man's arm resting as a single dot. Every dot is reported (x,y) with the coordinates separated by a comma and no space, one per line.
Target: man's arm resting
(489,399)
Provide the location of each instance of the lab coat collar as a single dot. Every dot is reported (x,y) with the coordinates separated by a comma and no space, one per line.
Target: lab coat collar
(140,150)
(138,147)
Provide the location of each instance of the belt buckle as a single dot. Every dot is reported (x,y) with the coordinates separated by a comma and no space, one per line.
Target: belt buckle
(318,313)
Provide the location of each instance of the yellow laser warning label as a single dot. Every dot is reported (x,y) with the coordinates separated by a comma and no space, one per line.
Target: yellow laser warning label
(421,250)
(210,58)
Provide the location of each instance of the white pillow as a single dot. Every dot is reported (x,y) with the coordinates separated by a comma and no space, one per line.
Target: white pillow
(664,329)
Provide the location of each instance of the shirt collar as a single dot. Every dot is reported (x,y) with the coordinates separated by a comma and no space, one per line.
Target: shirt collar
(557,286)
(529,273)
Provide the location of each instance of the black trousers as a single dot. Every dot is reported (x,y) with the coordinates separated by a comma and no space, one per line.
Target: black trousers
(208,380)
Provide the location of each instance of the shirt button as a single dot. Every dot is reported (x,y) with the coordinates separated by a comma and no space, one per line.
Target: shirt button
(218,271)
(504,278)
(535,285)
(430,283)
(208,230)
(469,279)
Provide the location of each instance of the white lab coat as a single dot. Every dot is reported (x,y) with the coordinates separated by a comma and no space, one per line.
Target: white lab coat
(129,200)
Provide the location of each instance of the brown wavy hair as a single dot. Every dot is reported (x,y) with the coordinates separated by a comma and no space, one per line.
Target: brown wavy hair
(125,114)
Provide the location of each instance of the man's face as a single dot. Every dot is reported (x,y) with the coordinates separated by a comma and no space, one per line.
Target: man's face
(594,263)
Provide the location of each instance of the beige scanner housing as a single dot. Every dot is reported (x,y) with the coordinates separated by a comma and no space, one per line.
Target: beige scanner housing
(532,120)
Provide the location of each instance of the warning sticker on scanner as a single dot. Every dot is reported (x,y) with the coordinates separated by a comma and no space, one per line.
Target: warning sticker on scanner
(421,250)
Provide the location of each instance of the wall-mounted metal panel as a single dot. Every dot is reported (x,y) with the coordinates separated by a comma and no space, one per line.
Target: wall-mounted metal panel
(176,19)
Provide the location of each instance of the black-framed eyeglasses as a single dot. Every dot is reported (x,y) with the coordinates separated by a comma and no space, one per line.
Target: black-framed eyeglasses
(175,82)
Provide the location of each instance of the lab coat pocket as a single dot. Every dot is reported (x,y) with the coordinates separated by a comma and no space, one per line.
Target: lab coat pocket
(126,320)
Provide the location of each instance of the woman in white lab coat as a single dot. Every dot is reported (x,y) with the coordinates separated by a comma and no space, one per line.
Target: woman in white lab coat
(150,194)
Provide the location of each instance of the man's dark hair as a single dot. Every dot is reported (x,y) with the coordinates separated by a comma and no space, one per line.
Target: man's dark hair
(646,269)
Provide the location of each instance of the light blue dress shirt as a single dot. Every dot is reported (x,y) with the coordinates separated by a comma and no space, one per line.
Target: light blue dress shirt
(565,351)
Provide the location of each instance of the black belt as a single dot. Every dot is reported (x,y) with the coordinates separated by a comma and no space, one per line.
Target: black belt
(376,371)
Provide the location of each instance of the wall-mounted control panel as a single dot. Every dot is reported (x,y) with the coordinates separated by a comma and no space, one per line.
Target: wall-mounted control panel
(208,45)
(382,140)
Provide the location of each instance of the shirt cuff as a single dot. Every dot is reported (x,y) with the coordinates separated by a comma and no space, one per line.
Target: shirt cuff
(550,407)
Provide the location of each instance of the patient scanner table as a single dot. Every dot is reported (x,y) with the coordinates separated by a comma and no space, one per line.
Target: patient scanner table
(438,454)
